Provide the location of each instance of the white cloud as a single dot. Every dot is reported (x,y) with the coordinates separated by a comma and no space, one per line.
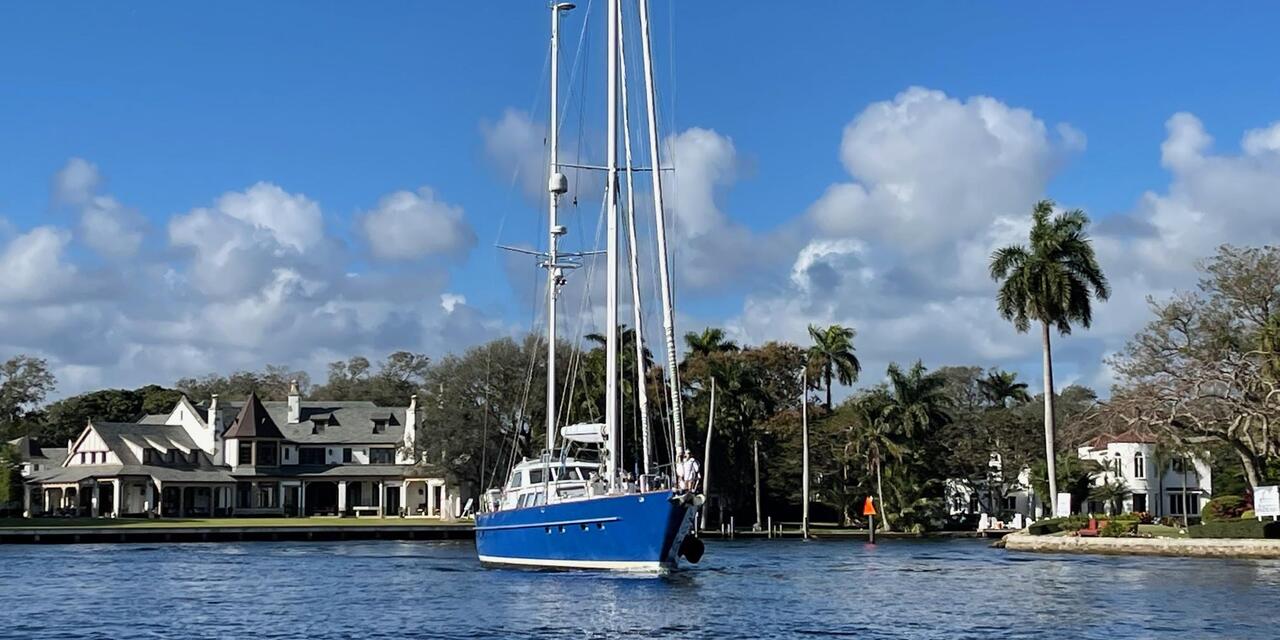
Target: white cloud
(409,225)
(33,268)
(76,182)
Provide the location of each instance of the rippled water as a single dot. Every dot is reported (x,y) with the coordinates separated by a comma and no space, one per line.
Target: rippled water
(898,589)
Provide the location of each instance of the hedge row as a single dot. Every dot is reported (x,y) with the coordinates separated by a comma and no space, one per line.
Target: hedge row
(1235,529)
(1054,525)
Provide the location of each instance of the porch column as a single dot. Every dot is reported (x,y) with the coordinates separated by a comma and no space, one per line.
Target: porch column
(382,499)
(151,498)
(93,499)
(404,497)
(117,496)
(302,499)
(182,502)
(26,500)
(431,499)
(446,511)
(342,496)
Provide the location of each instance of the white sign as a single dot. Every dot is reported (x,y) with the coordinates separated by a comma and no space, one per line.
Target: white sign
(1062,507)
(1266,501)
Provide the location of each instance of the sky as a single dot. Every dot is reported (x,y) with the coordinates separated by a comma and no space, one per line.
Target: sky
(187,189)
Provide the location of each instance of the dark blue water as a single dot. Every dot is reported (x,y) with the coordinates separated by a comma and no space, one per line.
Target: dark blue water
(765,589)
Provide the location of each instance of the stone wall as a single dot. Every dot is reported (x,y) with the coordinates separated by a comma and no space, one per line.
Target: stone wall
(1183,547)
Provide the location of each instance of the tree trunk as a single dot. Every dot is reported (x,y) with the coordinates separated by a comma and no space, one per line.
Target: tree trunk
(884,520)
(827,375)
(1249,463)
(1049,426)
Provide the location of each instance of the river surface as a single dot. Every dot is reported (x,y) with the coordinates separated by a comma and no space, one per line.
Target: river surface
(765,589)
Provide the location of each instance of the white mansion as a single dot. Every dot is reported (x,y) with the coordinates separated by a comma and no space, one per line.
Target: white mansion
(1162,485)
(292,458)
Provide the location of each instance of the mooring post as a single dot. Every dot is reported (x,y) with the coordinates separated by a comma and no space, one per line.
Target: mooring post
(770,526)
(732,529)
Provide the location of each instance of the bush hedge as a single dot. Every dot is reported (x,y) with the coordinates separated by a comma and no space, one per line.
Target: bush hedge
(1235,529)
(1223,508)
(1054,525)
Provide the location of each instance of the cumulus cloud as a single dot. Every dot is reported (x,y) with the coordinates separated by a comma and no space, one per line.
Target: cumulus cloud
(108,227)
(76,182)
(409,225)
(33,268)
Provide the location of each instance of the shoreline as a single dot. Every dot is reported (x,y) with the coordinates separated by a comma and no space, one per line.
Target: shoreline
(1246,548)
(233,532)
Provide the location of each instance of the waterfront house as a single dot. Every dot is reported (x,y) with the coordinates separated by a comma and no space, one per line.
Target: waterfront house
(1157,481)
(288,458)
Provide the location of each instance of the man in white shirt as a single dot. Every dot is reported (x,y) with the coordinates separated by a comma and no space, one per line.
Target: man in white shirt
(689,472)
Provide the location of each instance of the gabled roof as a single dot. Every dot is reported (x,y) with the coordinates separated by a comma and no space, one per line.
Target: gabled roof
(345,422)
(29,450)
(253,421)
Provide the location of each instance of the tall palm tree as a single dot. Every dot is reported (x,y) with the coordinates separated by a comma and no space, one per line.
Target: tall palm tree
(711,340)
(832,357)
(1050,282)
(1002,387)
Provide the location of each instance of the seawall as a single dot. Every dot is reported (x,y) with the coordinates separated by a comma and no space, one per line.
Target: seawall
(96,535)
(1178,547)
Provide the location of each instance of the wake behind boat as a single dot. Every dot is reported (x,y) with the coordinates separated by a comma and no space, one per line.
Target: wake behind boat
(574,506)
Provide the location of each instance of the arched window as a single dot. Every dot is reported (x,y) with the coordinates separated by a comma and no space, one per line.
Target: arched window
(1139,465)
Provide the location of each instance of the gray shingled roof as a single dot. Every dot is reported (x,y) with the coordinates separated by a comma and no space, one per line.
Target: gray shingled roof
(163,474)
(114,434)
(354,422)
(29,450)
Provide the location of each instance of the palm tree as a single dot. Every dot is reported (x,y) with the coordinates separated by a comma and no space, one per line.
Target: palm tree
(873,439)
(831,356)
(1049,282)
(1002,387)
(711,340)
(917,401)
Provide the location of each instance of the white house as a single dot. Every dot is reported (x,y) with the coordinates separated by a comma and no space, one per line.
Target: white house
(1160,484)
(296,457)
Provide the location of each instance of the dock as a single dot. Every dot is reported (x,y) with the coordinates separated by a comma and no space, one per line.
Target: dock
(269,531)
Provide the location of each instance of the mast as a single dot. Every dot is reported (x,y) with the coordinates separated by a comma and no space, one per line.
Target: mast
(664,277)
(611,256)
(804,421)
(642,394)
(557,185)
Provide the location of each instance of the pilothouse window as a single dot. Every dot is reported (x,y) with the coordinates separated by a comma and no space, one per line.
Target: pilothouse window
(535,476)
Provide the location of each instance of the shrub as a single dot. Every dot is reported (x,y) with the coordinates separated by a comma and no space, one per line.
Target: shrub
(1248,515)
(1223,508)
(1145,517)
(1054,525)
(1235,529)
(1115,528)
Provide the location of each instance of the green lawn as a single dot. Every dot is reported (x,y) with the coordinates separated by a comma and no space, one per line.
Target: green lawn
(134,523)
(1160,531)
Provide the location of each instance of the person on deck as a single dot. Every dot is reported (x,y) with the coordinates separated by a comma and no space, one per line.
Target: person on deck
(689,472)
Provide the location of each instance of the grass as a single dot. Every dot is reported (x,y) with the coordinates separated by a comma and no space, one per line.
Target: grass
(1160,531)
(139,523)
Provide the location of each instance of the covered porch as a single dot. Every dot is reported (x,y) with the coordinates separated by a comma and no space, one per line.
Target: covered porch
(427,498)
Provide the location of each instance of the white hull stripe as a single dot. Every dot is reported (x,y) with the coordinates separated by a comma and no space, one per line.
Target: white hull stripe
(607,565)
(557,523)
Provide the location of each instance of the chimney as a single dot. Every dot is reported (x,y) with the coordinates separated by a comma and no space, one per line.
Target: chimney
(213,421)
(295,403)
(411,428)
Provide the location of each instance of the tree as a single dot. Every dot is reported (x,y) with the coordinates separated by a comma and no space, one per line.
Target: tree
(66,418)
(24,383)
(1203,368)
(1050,282)
(711,340)
(1001,388)
(873,438)
(831,356)
(11,486)
(272,383)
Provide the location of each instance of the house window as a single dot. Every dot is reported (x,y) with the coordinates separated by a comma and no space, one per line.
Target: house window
(311,455)
(286,455)
(146,456)
(1176,503)
(1011,503)
(379,426)
(1139,465)
(268,454)
(1139,502)
(382,455)
(245,453)
(1177,465)
(346,455)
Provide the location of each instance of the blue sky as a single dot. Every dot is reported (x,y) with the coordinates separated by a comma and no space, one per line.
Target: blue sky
(176,105)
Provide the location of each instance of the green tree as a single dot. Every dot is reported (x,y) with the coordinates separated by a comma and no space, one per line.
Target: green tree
(10,477)
(711,340)
(24,383)
(832,356)
(1001,388)
(1050,282)
(66,418)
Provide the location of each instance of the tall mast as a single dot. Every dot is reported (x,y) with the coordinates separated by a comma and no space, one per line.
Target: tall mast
(642,394)
(664,277)
(556,186)
(611,256)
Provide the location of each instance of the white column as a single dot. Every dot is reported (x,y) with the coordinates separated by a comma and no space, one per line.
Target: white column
(151,497)
(117,497)
(446,509)
(26,501)
(404,497)
(342,496)
(302,499)
(93,499)
(382,497)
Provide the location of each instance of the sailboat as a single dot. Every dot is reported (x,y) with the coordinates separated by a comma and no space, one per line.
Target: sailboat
(574,506)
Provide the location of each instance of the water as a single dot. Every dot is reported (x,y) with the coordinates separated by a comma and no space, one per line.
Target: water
(766,589)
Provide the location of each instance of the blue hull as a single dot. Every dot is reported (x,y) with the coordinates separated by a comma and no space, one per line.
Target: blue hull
(635,532)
